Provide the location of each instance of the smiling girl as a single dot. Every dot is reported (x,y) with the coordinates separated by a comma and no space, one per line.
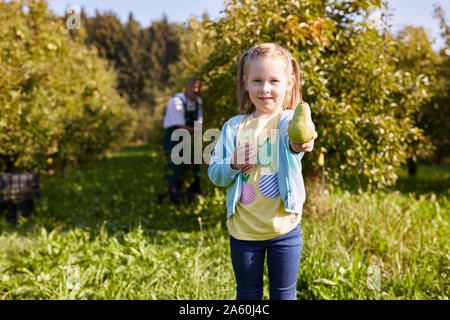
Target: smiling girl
(262,169)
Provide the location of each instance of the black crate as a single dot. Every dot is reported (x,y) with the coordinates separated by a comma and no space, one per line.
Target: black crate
(19,187)
(13,210)
(17,192)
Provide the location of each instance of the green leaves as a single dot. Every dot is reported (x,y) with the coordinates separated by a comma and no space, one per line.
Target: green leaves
(59,97)
(362,105)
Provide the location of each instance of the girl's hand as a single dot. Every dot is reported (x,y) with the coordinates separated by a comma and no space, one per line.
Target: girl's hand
(304,147)
(243,156)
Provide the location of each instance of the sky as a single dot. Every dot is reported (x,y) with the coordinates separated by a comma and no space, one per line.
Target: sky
(405,12)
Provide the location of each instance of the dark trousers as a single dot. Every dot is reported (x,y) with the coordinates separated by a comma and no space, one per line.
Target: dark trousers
(174,172)
(283,262)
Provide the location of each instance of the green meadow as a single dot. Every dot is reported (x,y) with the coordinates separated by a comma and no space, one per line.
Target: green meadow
(98,233)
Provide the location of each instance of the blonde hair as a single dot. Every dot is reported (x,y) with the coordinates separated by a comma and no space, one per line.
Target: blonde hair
(292,98)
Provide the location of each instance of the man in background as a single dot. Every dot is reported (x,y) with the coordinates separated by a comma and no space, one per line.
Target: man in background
(183,109)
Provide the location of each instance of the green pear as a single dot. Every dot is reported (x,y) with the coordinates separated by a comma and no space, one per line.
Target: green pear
(301,129)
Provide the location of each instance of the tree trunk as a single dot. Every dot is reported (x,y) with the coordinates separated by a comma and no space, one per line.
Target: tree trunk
(413,166)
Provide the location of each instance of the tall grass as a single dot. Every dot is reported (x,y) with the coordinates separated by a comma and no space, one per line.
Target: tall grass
(98,233)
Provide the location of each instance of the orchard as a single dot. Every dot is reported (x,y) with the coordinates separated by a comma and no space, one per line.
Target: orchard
(82,102)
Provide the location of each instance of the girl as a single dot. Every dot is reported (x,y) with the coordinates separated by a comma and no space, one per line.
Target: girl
(261,167)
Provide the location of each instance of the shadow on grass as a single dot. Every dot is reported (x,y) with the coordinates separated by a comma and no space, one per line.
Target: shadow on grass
(117,193)
(430,179)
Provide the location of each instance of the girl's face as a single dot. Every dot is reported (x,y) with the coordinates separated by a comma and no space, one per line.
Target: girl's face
(267,81)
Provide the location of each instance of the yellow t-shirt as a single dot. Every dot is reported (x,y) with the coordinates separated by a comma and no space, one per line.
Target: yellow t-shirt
(260,213)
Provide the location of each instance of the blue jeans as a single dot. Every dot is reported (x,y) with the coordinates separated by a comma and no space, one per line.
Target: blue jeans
(283,262)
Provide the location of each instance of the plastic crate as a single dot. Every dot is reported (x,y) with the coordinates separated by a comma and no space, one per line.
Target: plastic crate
(19,187)
(14,210)
(17,192)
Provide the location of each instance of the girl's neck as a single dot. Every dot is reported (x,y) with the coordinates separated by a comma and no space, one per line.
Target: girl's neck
(257,114)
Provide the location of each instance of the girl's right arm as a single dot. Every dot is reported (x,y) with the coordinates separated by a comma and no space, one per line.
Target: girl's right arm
(219,171)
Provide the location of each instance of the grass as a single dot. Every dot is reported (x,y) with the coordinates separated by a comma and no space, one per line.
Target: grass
(98,233)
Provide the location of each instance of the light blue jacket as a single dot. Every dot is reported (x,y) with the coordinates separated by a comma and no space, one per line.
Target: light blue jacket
(290,179)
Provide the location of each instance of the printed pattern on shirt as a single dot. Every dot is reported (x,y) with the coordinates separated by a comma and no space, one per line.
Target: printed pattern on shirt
(265,153)
(260,213)
(268,186)
(246,170)
(248,193)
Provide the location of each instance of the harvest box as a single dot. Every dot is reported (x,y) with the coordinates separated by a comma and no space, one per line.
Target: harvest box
(17,192)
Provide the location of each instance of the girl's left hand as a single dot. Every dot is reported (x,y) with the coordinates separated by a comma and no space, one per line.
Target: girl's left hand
(304,147)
